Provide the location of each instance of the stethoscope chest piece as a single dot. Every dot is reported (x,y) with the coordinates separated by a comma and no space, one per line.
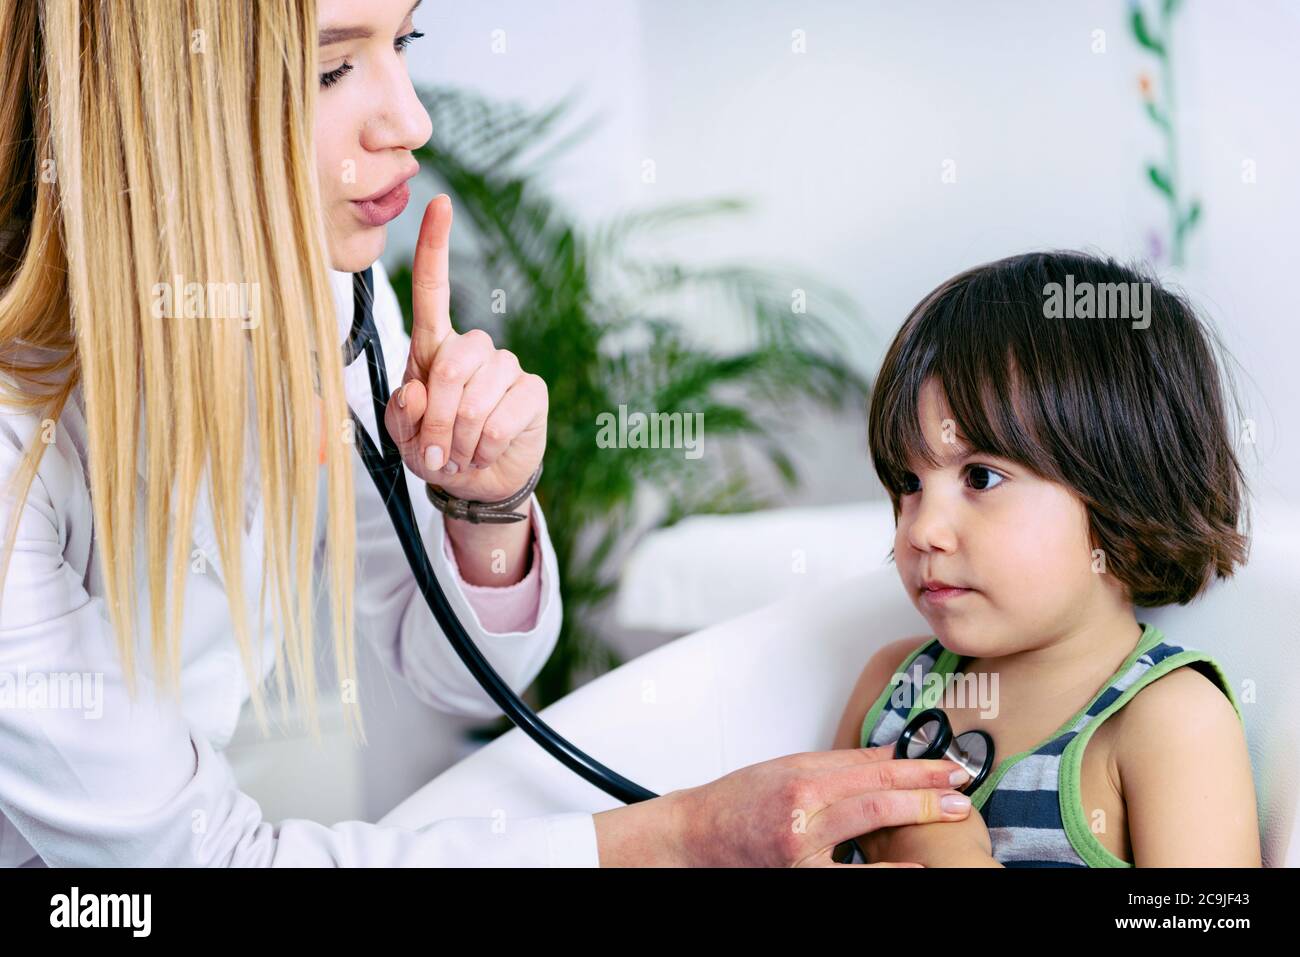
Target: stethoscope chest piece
(929,736)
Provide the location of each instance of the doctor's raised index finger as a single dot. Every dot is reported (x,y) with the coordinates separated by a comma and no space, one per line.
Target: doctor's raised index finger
(431,286)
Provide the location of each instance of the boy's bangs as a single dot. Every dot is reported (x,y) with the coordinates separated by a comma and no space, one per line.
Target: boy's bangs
(993,410)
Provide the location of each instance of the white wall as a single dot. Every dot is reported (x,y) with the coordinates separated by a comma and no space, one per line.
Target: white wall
(1243,74)
(588,48)
(841,148)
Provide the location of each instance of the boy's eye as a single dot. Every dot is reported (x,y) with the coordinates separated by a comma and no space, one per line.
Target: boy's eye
(984,480)
(989,476)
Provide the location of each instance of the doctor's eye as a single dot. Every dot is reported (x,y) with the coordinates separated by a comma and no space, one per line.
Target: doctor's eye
(405,40)
(330,77)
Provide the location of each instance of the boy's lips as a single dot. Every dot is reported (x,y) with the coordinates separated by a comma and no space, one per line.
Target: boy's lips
(939,583)
(937,592)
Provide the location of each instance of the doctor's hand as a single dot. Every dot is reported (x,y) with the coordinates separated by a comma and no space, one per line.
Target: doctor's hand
(787,812)
(466,416)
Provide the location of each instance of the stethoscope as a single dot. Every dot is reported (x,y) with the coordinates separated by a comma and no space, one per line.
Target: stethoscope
(928,735)
(389,475)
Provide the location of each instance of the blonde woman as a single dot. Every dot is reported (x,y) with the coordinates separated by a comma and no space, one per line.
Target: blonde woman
(181,479)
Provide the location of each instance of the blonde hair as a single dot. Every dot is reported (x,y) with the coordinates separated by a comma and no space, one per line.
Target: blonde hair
(137,146)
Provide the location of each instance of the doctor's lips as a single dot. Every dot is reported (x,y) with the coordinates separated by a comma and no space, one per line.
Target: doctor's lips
(381,208)
(938,590)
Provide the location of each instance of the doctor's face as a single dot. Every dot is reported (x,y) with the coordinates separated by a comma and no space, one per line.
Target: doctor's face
(368,121)
(1017,542)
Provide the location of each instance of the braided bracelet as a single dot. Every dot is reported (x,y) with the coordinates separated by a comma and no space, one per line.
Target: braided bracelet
(480,513)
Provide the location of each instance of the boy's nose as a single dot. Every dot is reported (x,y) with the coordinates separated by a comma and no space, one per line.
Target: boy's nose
(931,528)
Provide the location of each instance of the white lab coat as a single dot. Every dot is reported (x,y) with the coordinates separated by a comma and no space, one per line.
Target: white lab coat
(147,783)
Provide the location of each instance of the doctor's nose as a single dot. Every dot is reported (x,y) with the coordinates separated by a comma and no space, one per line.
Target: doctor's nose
(402,122)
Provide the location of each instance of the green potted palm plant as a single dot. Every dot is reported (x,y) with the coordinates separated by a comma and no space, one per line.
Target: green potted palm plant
(607,325)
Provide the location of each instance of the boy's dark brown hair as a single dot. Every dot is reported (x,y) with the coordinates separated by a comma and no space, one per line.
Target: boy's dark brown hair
(1132,419)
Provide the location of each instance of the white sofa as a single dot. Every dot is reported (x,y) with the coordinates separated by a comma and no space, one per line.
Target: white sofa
(773,682)
(709,568)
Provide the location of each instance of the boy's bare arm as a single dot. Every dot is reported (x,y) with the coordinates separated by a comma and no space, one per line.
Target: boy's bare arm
(1185,772)
(962,843)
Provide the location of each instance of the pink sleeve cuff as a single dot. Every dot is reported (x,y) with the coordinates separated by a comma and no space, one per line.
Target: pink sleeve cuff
(505,609)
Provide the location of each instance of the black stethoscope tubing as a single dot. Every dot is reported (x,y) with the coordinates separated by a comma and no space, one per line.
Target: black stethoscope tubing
(387,470)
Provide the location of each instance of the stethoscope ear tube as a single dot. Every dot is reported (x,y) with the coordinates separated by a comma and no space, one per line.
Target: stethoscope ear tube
(386,469)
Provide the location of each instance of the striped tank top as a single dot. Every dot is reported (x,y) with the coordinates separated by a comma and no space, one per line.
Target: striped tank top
(1031,801)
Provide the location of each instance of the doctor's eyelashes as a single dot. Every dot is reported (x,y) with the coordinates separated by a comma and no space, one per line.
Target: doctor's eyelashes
(406,39)
(329,77)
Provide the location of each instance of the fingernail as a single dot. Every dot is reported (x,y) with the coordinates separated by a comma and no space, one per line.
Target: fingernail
(954,803)
(401,396)
(958,778)
(433,458)
(451,468)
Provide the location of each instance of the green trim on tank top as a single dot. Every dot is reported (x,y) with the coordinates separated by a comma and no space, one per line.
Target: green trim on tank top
(1077,830)
(1150,637)
(873,713)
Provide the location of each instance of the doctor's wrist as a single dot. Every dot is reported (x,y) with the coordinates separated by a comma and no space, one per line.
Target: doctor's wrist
(648,834)
(492,555)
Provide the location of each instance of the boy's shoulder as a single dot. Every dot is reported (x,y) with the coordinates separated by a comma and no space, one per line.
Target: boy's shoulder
(1187,686)
(1184,705)
(1184,773)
